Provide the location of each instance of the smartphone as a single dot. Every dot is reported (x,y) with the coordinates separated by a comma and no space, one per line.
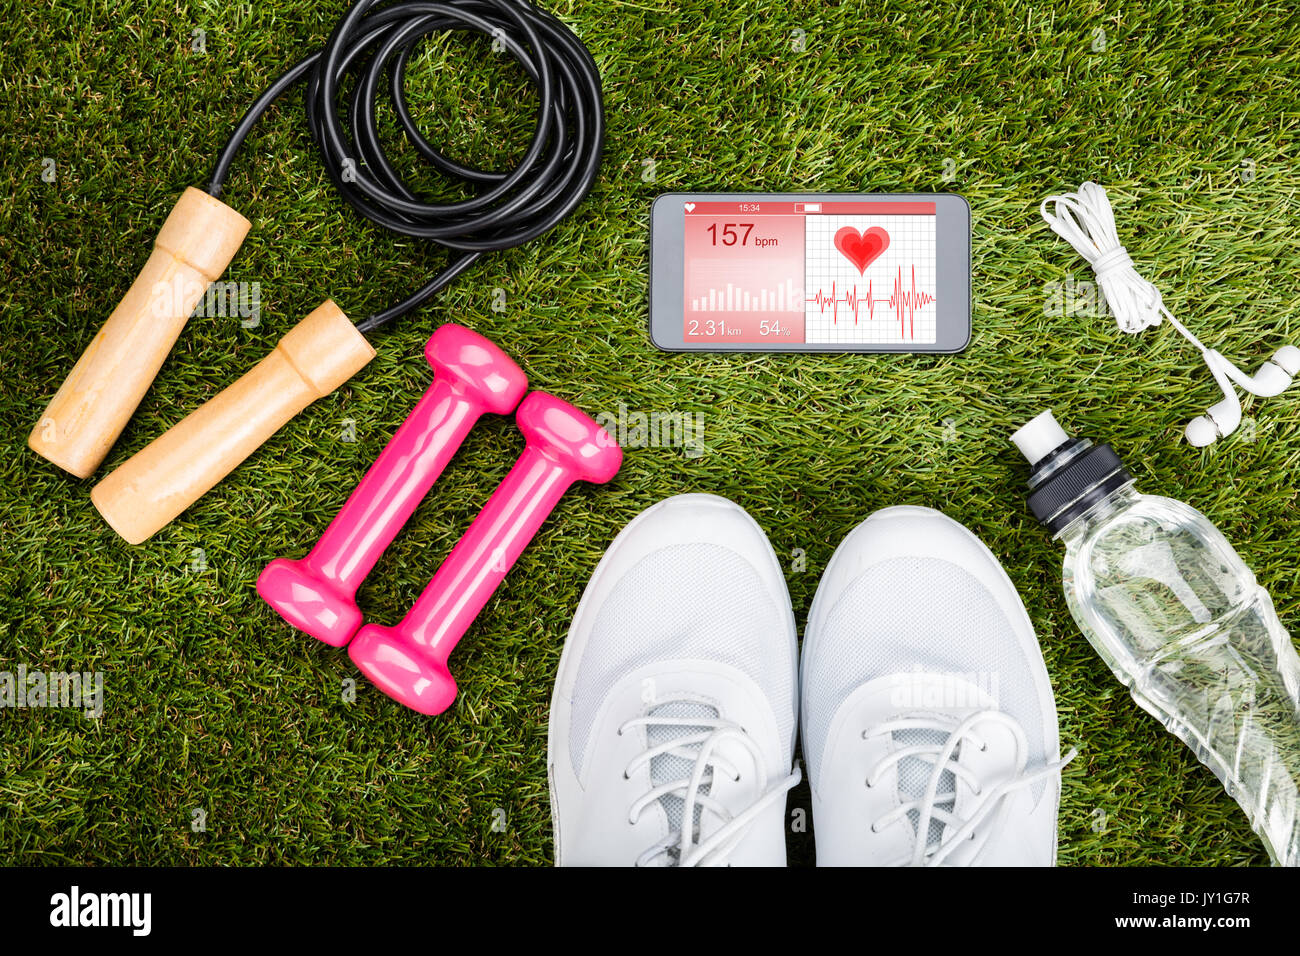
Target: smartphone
(810,272)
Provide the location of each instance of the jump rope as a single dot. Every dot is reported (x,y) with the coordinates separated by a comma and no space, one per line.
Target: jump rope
(202,235)
(555,174)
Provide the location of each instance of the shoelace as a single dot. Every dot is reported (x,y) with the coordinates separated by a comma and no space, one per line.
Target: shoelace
(927,808)
(701,747)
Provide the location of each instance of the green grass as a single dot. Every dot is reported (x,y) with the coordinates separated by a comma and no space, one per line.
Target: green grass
(212,702)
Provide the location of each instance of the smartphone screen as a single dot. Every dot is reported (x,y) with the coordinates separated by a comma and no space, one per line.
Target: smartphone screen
(857,273)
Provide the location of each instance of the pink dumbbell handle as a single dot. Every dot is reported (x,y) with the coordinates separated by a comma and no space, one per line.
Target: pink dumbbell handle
(395,485)
(490,547)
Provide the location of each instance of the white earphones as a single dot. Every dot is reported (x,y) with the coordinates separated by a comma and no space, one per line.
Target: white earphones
(1084,220)
(1273,378)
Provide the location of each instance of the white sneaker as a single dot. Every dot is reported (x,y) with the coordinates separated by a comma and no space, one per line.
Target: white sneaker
(929,726)
(672,725)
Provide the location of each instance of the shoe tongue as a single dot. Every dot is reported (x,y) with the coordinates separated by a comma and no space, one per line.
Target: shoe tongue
(669,767)
(914,778)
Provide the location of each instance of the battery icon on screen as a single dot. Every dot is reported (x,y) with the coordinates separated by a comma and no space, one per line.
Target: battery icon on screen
(807,207)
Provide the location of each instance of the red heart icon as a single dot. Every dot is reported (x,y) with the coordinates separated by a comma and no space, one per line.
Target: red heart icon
(862,248)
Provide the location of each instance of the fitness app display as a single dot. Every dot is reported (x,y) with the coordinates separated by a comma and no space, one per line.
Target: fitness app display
(826,273)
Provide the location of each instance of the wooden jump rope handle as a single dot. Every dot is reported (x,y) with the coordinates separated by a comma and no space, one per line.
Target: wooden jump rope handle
(160,481)
(81,423)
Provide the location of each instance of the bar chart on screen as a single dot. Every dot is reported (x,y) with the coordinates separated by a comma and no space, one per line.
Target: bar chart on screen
(786,297)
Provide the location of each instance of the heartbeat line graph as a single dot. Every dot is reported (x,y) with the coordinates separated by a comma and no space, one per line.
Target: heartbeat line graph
(903,301)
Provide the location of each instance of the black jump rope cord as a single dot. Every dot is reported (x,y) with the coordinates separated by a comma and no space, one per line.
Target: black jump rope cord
(555,174)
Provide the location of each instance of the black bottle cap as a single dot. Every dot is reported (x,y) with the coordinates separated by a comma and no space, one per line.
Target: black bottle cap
(1069,478)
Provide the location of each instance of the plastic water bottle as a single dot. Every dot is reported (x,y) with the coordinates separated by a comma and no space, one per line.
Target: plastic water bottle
(1180,620)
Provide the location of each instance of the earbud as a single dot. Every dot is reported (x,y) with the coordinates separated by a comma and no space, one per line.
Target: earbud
(1273,378)
(1288,357)
(1201,431)
(1223,417)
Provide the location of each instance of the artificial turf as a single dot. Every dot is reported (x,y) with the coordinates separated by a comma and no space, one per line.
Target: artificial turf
(1187,113)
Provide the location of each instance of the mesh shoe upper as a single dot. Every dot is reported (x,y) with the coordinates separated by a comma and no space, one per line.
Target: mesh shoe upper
(905,614)
(715,608)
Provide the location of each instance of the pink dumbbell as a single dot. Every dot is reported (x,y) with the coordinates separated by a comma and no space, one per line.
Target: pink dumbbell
(318,593)
(409,662)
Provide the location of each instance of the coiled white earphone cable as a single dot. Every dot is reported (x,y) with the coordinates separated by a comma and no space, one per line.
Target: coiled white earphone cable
(1084,219)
